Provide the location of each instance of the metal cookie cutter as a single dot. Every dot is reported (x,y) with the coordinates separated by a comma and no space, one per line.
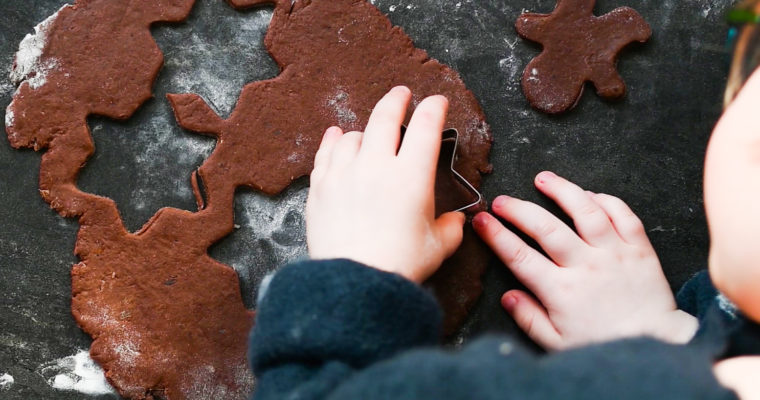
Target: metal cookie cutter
(448,153)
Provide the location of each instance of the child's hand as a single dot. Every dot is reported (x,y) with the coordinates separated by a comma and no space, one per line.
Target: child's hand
(601,284)
(369,204)
(741,375)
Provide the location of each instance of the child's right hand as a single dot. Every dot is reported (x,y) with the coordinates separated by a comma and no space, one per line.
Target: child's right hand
(601,284)
(741,375)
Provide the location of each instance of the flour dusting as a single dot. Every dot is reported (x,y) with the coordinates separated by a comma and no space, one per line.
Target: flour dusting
(204,384)
(339,105)
(6,88)
(267,218)
(77,373)
(6,381)
(272,233)
(221,81)
(127,351)
(9,117)
(29,65)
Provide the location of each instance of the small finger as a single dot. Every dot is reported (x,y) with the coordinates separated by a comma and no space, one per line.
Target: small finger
(345,150)
(557,239)
(532,318)
(322,158)
(382,135)
(591,222)
(529,266)
(627,225)
(422,141)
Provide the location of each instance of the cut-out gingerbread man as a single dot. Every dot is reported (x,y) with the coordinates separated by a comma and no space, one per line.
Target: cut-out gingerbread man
(578,47)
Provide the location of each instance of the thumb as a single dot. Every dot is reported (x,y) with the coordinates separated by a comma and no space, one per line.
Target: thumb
(532,318)
(450,231)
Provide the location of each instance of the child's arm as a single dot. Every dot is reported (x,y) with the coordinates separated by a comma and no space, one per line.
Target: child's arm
(338,330)
(602,283)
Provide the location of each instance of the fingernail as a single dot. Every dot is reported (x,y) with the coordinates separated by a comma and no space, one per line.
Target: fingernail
(441,98)
(480,220)
(500,201)
(544,177)
(400,89)
(509,302)
(332,130)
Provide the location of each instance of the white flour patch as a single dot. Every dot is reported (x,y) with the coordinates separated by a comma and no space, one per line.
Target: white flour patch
(127,351)
(204,384)
(6,88)
(6,381)
(29,65)
(712,9)
(533,75)
(339,105)
(511,66)
(9,117)
(77,373)
(479,128)
(272,230)
(265,216)
(159,140)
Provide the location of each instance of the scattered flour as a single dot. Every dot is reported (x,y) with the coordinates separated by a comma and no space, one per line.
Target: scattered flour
(127,351)
(272,233)
(9,117)
(28,64)
(76,373)
(339,104)
(712,9)
(533,75)
(220,82)
(265,217)
(204,384)
(6,88)
(511,65)
(6,381)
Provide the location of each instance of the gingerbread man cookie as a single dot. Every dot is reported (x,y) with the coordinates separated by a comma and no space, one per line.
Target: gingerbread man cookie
(578,47)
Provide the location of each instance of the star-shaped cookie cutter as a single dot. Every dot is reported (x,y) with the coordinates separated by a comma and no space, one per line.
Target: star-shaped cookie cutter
(448,154)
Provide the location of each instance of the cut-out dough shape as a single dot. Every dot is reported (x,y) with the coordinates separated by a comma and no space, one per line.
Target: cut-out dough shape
(578,47)
(168,321)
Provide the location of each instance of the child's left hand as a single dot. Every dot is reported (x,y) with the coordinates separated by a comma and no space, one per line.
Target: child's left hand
(603,283)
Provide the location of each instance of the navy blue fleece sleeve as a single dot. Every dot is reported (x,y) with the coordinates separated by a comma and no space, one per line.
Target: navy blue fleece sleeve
(338,330)
(339,310)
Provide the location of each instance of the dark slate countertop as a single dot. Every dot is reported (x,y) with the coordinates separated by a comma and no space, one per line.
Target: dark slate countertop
(647,149)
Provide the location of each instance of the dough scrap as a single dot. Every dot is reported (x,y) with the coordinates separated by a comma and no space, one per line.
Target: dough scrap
(168,321)
(578,47)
